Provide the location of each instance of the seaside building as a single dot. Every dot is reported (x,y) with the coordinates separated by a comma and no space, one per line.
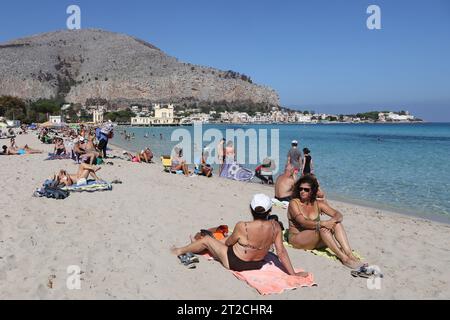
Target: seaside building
(304,118)
(55,119)
(97,116)
(163,116)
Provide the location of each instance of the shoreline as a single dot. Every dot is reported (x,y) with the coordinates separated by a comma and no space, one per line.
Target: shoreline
(121,239)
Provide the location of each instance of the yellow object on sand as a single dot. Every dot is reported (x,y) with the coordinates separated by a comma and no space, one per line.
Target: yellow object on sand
(325,252)
(166,162)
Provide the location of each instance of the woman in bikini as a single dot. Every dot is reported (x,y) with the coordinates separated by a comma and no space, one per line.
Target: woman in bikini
(250,242)
(80,178)
(306,229)
(178,163)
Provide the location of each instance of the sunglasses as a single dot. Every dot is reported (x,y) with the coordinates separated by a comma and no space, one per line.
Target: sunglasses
(307,190)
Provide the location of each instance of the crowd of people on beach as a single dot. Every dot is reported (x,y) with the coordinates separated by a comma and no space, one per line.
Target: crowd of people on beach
(248,245)
(250,241)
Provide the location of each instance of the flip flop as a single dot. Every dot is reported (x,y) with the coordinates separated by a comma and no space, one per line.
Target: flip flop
(361,274)
(188,259)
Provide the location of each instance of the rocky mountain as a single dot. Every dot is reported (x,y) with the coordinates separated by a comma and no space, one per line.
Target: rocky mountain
(82,64)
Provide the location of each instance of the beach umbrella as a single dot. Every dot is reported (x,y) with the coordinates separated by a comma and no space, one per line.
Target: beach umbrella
(54,125)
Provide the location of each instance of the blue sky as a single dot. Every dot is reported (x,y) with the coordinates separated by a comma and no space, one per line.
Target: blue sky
(318,55)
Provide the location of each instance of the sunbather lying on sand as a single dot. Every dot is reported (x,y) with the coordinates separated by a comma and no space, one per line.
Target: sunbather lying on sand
(250,242)
(306,229)
(80,178)
(143,156)
(19,151)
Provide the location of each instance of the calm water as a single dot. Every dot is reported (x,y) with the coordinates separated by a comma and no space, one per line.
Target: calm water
(395,166)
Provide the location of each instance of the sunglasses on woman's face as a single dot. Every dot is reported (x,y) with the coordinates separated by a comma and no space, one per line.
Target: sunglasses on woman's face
(307,190)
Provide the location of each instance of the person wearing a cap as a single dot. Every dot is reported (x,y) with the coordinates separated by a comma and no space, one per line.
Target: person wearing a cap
(79,148)
(294,157)
(250,242)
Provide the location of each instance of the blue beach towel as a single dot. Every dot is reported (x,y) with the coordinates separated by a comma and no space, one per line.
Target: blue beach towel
(236,172)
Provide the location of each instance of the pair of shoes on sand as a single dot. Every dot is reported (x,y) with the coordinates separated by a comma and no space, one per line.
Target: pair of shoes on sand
(189,260)
(366,271)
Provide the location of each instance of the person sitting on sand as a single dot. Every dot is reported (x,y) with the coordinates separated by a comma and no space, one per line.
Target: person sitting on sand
(13,144)
(178,163)
(284,186)
(250,242)
(204,168)
(90,152)
(146,155)
(80,178)
(307,231)
(59,148)
(264,171)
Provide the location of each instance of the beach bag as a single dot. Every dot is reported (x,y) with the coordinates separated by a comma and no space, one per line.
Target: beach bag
(218,233)
(54,193)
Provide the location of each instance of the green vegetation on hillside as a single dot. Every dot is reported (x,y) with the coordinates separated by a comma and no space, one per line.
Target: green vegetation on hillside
(28,112)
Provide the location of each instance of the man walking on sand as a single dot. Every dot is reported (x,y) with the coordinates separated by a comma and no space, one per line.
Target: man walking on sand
(295,157)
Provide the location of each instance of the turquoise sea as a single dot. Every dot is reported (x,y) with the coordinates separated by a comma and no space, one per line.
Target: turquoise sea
(403,167)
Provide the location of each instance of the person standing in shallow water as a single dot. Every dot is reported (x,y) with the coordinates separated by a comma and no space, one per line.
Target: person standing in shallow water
(294,157)
(307,163)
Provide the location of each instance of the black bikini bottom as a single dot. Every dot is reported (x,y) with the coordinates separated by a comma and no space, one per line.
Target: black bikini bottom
(288,199)
(237,264)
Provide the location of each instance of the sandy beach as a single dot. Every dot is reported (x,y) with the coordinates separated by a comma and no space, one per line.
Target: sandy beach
(121,239)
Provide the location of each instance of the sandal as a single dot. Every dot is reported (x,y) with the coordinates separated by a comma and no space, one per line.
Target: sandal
(188,259)
(366,272)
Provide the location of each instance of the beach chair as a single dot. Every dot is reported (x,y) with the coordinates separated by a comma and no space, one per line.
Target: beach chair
(268,175)
(167,163)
